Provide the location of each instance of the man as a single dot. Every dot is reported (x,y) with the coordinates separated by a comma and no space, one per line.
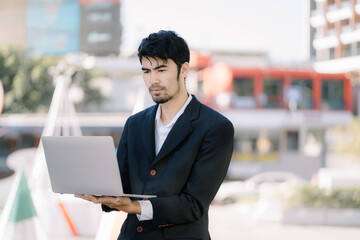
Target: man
(178,149)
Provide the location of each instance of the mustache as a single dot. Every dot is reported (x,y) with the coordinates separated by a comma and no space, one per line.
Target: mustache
(156,86)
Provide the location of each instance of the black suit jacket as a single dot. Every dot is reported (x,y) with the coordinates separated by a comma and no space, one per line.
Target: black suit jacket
(185,175)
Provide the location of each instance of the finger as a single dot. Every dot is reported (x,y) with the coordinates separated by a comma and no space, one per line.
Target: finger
(115,202)
(122,200)
(79,195)
(90,198)
(107,200)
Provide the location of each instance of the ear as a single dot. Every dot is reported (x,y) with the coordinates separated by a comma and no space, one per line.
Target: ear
(184,69)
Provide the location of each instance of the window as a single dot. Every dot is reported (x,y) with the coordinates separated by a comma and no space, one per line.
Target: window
(349,50)
(346,51)
(306,86)
(332,96)
(243,93)
(313,143)
(243,87)
(345,22)
(256,145)
(246,141)
(332,53)
(292,140)
(267,142)
(322,55)
(273,92)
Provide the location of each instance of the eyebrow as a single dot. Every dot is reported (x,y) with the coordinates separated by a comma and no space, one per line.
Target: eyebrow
(157,67)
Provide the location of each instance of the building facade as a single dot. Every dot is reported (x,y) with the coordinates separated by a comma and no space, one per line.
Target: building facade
(280,113)
(336,40)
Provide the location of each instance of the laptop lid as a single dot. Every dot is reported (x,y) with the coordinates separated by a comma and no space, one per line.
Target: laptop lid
(84,165)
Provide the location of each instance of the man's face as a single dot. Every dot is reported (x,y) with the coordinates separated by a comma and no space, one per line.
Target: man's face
(161,78)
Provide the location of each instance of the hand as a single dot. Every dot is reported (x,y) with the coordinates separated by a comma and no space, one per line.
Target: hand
(120,203)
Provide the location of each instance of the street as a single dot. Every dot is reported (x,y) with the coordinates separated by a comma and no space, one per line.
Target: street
(236,222)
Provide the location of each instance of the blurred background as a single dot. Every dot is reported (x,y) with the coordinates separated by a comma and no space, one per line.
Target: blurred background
(286,73)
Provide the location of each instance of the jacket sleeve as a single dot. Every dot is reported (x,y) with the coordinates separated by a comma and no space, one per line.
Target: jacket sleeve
(206,176)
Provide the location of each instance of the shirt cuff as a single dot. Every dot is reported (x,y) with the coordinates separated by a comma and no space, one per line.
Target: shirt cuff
(146,211)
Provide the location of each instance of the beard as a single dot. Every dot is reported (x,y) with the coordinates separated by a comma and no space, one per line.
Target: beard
(160,97)
(163,96)
(161,100)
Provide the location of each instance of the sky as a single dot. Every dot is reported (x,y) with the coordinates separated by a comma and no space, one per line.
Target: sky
(278,27)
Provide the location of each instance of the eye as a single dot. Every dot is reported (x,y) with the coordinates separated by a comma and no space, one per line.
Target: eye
(146,71)
(162,70)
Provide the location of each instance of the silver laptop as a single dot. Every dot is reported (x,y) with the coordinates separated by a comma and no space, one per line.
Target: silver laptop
(84,165)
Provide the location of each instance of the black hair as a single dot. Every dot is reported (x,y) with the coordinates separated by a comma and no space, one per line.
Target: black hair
(165,45)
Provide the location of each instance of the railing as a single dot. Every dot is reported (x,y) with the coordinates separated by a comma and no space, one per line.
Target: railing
(332,7)
(346,29)
(345,4)
(357,25)
(331,32)
(317,12)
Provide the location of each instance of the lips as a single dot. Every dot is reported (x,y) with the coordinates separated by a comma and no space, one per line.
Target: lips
(156,89)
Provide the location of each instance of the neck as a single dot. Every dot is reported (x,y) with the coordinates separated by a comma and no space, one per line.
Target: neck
(172,107)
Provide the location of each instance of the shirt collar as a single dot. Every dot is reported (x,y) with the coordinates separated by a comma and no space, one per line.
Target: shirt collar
(178,114)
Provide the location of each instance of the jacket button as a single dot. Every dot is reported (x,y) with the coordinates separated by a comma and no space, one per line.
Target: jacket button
(153,172)
(139,229)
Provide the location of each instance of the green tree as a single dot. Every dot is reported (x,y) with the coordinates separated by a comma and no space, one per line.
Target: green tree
(28,85)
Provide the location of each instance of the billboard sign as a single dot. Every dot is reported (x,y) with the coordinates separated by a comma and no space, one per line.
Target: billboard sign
(53,26)
(100,28)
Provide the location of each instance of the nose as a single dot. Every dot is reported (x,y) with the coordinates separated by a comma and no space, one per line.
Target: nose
(154,78)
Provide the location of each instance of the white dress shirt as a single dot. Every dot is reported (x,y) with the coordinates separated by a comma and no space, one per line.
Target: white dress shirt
(161,133)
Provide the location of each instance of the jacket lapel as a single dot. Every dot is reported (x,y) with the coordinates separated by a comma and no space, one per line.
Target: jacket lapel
(180,130)
(148,131)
